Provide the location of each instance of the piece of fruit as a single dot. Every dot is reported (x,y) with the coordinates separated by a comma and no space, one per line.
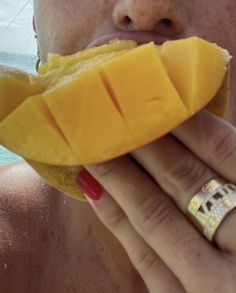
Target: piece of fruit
(108,101)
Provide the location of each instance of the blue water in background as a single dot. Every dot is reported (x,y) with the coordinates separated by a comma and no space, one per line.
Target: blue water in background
(23,62)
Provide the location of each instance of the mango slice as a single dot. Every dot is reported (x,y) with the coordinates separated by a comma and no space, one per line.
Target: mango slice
(107,101)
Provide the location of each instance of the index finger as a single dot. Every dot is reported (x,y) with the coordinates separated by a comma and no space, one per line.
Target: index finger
(161,224)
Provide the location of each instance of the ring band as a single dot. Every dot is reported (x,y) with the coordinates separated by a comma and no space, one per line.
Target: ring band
(209,207)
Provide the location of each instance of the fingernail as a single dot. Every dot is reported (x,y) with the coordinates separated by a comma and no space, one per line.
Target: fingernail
(89,185)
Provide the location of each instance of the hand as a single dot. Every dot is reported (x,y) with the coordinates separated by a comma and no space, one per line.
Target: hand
(144,204)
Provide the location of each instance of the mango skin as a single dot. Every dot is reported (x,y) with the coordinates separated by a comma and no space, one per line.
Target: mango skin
(219,104)
(63,177)
(59,177)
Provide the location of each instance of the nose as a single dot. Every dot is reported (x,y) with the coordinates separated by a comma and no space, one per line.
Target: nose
(165,17)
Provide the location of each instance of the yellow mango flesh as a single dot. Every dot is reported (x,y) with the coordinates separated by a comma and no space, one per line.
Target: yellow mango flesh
(66,74)
(200,65)
(15,87)
(111,104)
(144,100)
(56,61)
(93,118)
(31,132)
(43,124)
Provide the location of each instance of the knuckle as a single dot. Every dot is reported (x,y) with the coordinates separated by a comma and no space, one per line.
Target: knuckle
(190,172)
(222,144)
(115,220)
(107,168)
(153,213)
(145,259)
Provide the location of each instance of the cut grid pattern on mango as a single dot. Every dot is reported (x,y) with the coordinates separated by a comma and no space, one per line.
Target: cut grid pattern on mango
(110,103)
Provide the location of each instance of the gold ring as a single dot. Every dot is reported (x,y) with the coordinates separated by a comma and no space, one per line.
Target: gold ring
(209,207)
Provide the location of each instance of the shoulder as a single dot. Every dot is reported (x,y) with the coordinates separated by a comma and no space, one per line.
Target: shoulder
(19,182)
(25,201)
(18,175)
(23,192)
(24,197)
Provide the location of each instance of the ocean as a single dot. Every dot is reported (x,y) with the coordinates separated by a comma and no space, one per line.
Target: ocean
(23,62)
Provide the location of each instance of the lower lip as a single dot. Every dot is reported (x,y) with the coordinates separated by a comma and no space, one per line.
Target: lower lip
(139,37)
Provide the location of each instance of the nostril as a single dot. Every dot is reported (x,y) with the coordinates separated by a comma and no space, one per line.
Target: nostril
(126,20)
(167,22)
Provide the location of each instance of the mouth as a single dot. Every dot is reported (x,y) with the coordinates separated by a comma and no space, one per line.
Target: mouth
(141,37)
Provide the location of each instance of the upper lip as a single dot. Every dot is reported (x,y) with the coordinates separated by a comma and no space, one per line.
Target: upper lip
(141,37)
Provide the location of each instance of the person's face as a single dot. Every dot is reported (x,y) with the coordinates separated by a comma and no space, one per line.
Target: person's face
(67,26)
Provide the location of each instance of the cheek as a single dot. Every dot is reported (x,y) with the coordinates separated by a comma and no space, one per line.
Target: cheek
(64,26)
(217,22)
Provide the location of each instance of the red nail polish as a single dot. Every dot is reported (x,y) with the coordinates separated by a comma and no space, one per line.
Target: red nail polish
(89,185)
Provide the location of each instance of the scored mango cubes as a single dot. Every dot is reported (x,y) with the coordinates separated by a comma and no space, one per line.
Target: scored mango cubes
(85,114)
